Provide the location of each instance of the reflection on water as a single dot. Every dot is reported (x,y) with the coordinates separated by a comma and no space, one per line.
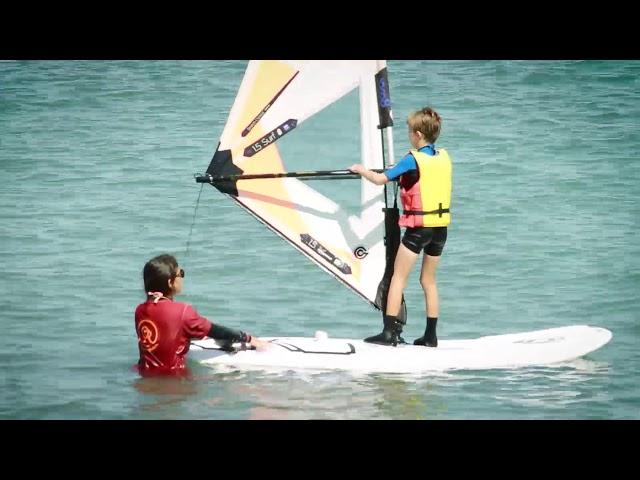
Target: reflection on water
(159,392)
(215,393)
(339,395)
(556,388)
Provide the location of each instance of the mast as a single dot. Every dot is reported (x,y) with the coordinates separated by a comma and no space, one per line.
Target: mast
(391,212)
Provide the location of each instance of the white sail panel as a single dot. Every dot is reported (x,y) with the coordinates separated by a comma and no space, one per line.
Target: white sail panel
(273,99)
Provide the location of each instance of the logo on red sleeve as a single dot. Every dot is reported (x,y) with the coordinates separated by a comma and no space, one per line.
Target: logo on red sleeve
(148,335)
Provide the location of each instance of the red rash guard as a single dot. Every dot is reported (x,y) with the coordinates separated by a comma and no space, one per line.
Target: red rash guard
(164,330)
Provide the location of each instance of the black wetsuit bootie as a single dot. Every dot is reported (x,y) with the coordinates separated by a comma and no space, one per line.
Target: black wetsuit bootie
(390,333)
(429,339)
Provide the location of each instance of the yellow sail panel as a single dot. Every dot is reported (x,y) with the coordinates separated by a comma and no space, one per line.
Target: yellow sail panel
(269,80)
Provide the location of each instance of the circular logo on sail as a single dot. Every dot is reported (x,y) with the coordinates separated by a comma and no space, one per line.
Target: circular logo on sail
(360,252)
(148,335)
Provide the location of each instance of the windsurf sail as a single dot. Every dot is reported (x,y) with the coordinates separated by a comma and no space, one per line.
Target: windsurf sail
(356,246)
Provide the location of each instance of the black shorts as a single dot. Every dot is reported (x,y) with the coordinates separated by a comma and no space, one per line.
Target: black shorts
(429,239)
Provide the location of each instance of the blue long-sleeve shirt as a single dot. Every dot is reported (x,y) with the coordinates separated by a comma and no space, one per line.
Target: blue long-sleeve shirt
(408,163)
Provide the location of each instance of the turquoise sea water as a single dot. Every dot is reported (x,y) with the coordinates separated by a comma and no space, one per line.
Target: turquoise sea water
(97,162)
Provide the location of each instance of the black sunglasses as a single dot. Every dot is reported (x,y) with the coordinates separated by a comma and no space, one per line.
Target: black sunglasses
(180,273)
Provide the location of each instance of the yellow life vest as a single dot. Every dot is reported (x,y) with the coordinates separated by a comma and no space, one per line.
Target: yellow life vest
(426,203)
